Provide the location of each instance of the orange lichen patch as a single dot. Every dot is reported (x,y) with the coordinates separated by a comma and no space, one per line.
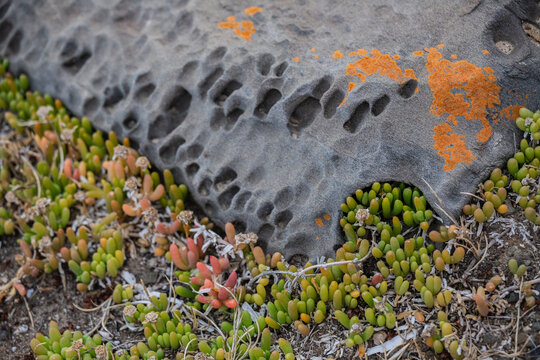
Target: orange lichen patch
(244,29)
(326,217)
(509,113)
(337,54)
(418,53)
(396,57)
(296,59)
(440,46)
(485,52)
(342,101)
(381,64)
(451,146)
(361,52)
(317,238)
(453,56)
(352,53)
(319,222)
(462,89)
(316,56)
(351,87)
(252,10)
(229,24)
(313,49)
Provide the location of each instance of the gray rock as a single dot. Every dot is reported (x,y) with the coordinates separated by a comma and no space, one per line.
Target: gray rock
(260,138)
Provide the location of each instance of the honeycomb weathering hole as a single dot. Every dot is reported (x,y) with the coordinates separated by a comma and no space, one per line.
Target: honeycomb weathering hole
(333,103)
(271,97)
(167,152)
(227,90)
(209,81)
(379,105)
(303,115)
(352,125)
(408,89)
(225,177)
(226,197)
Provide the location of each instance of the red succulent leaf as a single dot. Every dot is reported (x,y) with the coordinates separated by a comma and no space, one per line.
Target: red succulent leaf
(204,299)
(224,262)
(195,280)
(192,259)
(223,294)
(230,303)
(176,258)
(376,279)
(205,272)
(216,304)
(216,266)
(231,281)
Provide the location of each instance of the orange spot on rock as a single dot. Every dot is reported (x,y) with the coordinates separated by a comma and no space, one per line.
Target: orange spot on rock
(451,146)
(296,59)
(396,57)
(440,46)
(317,238)
(485,52)
(326,217)
(361,52)
(351,87)
(453,56)
(337,54)
(381,64)
(243,30)
(509,113)
(252,10)
(342,101)
(316,56)
(352,53)
(418,53)
(313,49)
(319,222)
(462,89)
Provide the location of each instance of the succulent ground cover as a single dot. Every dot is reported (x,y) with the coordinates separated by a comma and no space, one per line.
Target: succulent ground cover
(126,271)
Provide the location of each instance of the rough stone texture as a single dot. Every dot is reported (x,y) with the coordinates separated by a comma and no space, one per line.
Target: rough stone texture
(259,138)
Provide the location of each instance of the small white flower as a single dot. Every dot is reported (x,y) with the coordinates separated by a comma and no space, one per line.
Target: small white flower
(43,112)
(361,216)
(528,121)
(185,216)
(142,163)
(249,238)
(129,310)
(151,317)
(120,151)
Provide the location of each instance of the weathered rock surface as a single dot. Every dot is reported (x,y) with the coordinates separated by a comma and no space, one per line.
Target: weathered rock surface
(249,111)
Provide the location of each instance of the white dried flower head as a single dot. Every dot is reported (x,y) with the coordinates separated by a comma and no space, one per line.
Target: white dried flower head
(361,216)
(80,196)
(356,328)
(152,357)
(42,203)
(67,134)
(102,353)
(77,345)
(150,215)
(120,151)
(185,216)
(142,163)
(249,238)
(31,212)
(43,111)
(528,121)
(121,352)
(44,244)
(131,184)
(151,317)
(129,310)
(11,198)
(202,356)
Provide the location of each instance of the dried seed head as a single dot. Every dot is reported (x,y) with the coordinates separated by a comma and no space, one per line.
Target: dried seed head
(129,310)
(101,352)
(42,203)
(67,134)
(44,244)
(151,317)
(528,121)
(120,151)
(356,328)
(150,215)
(142,163)
(43,112)
(361,216)
(77,345)
(249,238)
(80,196)
(11,198)
(185,216)
(131,184)
(202,356)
